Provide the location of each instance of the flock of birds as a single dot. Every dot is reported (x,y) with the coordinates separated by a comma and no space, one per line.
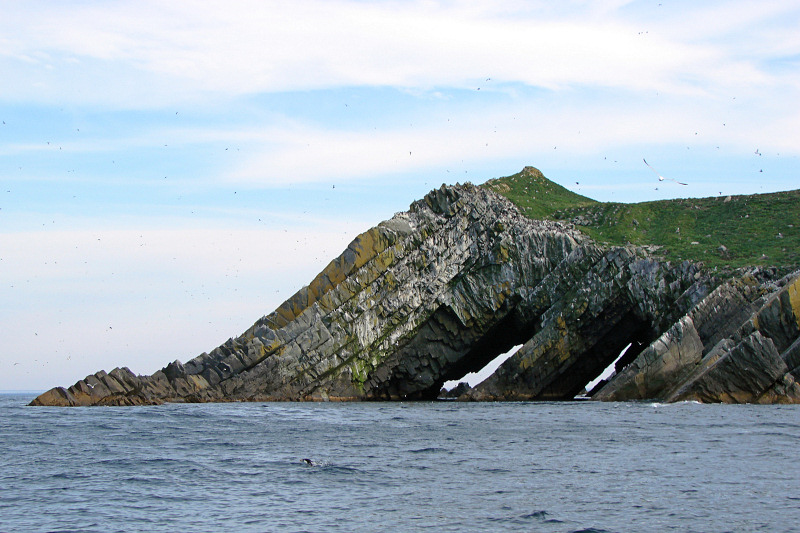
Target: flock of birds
(660,177)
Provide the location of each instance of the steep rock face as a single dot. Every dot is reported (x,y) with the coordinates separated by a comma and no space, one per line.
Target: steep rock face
(419,299)
(588,313)
(440,290)
(740,345)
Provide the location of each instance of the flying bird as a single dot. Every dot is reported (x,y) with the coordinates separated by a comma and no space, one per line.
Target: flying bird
(660,177)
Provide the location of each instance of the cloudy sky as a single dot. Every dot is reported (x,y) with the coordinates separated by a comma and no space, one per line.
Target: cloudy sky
(172,171)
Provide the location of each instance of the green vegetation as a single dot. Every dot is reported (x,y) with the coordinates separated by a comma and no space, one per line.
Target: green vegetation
(536,196)
(725,232)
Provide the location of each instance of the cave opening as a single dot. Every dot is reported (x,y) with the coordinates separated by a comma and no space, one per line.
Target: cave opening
(626,336)
(609,372)
(476,352)
(446,352)
(472,378)
(445,349)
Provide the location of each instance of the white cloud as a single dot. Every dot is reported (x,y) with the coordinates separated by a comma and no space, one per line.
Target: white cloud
(173,51)
(522,129)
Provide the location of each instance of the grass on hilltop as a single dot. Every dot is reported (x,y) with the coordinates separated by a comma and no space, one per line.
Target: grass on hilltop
(536,196)
(725,231)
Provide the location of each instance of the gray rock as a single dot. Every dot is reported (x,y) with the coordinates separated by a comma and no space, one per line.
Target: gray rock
(740,375)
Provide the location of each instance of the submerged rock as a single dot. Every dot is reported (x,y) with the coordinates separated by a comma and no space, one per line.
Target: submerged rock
(440,290)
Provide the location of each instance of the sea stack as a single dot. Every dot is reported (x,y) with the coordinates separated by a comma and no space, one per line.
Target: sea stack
(461,277)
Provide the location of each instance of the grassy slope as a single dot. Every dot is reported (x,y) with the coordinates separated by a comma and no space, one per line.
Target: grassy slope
(535,195)
(759,229)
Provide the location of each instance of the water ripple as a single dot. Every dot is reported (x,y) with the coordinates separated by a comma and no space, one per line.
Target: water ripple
(448,467)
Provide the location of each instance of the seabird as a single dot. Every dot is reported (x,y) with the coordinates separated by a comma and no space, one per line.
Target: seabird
(309,462)
(660,177)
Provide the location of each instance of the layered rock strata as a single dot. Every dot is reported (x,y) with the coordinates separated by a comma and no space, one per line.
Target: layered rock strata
(440,290)
(741,344)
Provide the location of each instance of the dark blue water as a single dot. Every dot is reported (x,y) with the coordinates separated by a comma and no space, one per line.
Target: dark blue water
(399,467)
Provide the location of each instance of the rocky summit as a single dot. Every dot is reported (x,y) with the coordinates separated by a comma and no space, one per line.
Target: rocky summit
(462,277)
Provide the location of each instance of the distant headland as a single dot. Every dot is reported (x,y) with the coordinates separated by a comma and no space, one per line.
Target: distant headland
(695,299)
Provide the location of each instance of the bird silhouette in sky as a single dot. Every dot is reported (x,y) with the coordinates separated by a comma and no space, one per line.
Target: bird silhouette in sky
(660,177)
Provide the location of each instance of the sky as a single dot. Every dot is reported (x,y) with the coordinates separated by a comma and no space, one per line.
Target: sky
(172,171)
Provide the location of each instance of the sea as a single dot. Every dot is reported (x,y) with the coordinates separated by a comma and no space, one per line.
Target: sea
(424,466)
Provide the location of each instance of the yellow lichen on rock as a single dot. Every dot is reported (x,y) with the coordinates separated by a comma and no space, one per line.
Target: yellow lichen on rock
(793,291)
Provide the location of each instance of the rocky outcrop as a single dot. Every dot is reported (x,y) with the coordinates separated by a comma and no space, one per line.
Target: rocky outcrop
(440,290)
(606,302)
(739,345)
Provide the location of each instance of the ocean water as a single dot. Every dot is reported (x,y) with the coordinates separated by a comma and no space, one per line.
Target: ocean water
(437,466)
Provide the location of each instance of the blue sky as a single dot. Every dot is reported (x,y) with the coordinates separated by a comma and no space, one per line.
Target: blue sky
(172,171)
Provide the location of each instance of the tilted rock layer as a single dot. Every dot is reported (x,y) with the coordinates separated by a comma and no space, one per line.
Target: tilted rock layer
(442,289)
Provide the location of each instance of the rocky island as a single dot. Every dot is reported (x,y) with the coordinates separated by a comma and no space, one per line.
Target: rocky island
(463,276)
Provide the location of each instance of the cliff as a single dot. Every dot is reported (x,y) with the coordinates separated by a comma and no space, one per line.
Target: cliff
(463,276)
